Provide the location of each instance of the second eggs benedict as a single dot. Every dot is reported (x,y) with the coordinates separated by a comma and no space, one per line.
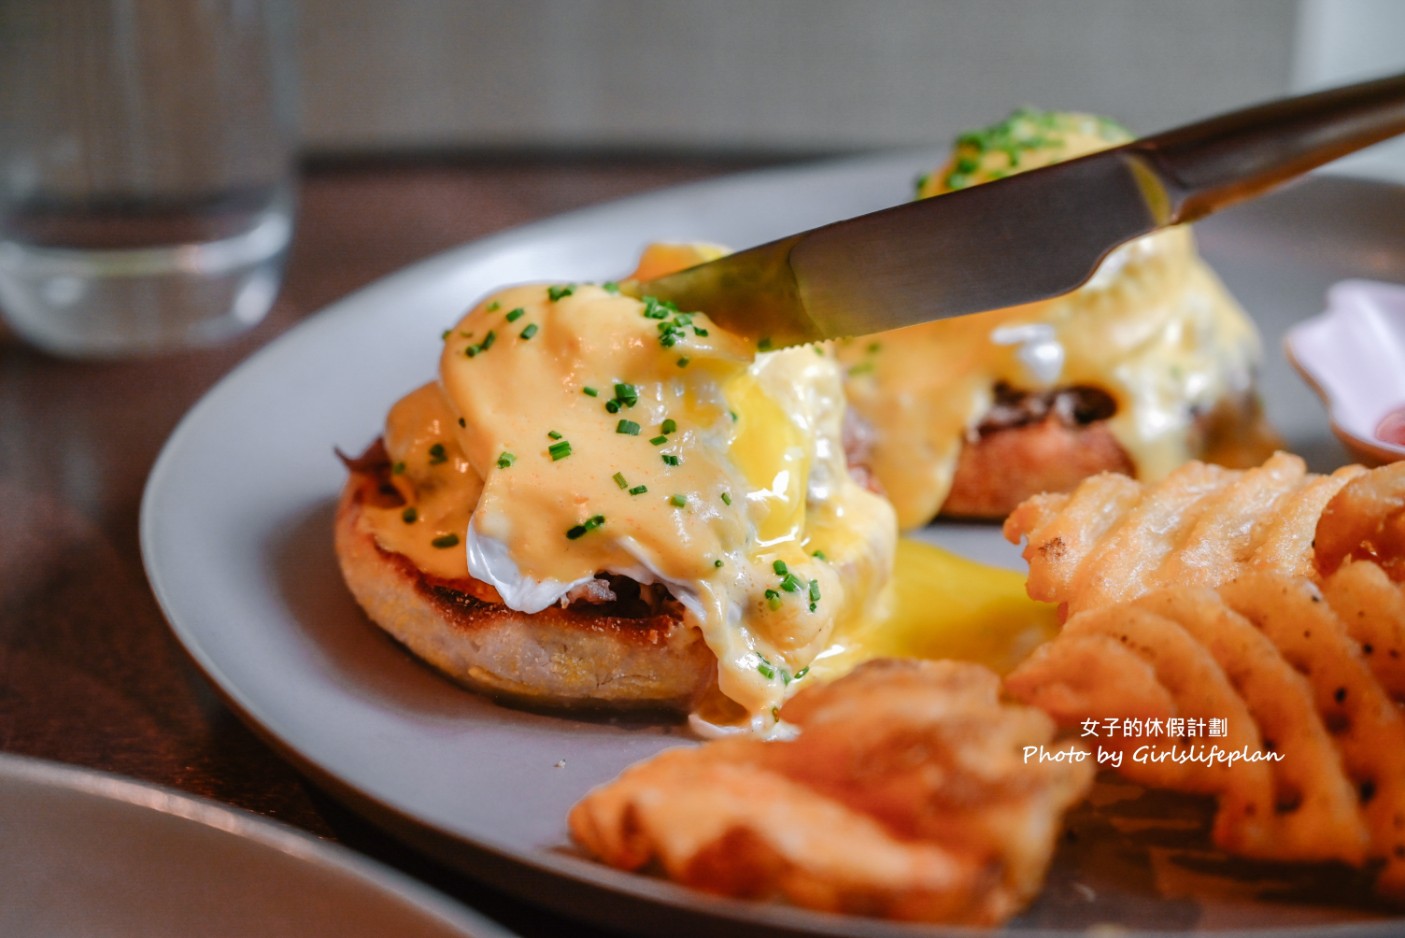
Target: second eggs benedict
(1149,364)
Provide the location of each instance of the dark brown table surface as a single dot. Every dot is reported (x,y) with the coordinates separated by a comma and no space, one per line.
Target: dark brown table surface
(90,673)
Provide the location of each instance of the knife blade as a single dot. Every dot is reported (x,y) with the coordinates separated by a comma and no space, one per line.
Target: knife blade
(1028,237)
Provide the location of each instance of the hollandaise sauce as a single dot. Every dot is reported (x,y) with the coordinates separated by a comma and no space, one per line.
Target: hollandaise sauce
(1154,328)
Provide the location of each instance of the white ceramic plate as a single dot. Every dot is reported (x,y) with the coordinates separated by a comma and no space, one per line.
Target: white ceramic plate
(236,535)
(85,853)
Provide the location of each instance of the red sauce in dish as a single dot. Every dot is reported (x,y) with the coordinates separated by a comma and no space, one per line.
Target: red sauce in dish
(1392,428)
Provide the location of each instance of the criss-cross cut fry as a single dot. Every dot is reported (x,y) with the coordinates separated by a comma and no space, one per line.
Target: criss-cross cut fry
(1113,539)
(1374,614)
(908,793)
(1299,674)
(1366,521)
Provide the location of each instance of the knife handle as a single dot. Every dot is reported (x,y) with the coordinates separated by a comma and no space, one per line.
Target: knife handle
(1208,165)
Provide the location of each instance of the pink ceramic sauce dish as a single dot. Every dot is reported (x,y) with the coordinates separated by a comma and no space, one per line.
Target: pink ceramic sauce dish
(1353,356)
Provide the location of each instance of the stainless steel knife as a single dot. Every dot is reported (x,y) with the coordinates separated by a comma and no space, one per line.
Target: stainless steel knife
(1026,237)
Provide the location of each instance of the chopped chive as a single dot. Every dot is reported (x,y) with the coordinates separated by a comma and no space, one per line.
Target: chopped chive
(627,426)
(814,594)
(559,292)
(410,515)
(530,331)
(672,324)
(553,434)
(639,490)
(626,394)
(659,440)
(773,599)
(780,568)
(494,306)
(819,555)
(792,583)
(516,314)
(445,540)
(620,480)
(671,460)
(678,501)
(717,562)
(487,343)
(437,454)
(612,407)
(585,527)
(560,450)
(726,498)
(398,468)
(767,670)
(590,392)
(802,672)
(610,286)
(445,334)
(683,362)
(764,345)
(506,459)
(668,426)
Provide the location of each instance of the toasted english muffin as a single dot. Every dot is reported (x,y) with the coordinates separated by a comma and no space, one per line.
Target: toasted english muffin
(608,654)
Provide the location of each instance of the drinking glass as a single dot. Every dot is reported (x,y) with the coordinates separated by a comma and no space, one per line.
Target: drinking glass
(146,170)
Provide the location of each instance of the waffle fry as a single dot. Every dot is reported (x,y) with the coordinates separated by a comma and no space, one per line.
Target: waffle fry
(1373,610)
(1114,539)
(1295,671)
(1366,521)
(907,794)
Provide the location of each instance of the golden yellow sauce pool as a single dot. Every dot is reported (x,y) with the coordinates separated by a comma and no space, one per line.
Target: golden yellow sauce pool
(943,605)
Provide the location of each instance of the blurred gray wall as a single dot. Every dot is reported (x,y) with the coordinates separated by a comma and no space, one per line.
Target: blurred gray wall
(776,76)
(1340,41)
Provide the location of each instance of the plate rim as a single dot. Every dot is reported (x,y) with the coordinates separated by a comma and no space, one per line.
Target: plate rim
(134,796)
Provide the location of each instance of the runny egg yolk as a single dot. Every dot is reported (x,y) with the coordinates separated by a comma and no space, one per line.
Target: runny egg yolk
(943,605)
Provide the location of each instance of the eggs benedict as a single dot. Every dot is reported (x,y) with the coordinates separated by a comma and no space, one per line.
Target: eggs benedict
(1149,364)
(607,501)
